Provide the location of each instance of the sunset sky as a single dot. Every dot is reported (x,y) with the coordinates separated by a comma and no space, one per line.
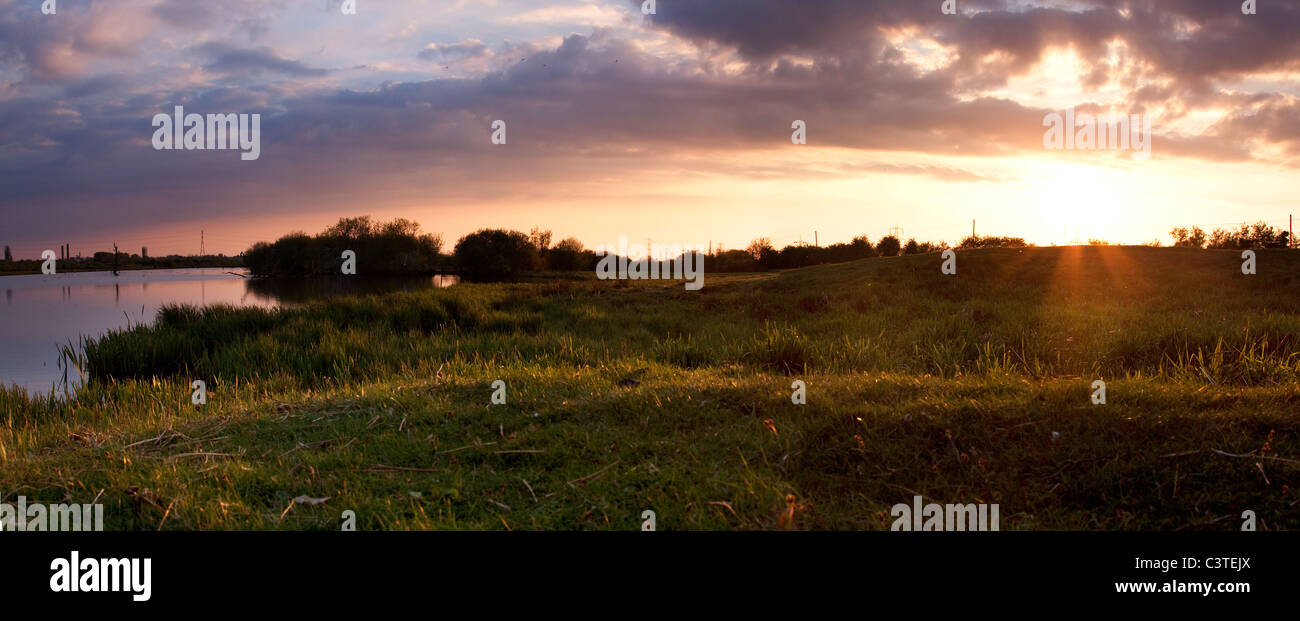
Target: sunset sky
(674,126)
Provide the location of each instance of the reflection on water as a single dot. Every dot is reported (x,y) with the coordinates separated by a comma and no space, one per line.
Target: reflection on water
(40,313)
(298,290)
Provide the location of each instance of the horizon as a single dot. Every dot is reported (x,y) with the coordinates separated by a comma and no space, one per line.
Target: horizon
(449,246)
(677,126)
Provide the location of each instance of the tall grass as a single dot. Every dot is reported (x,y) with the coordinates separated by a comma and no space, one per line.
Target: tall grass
(1044,320)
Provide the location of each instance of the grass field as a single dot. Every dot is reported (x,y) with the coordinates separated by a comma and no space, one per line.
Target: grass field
(623,397)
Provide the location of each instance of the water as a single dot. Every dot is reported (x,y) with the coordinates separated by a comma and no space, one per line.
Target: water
(41,313)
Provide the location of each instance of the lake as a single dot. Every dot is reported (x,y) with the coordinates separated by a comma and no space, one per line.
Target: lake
(40,313)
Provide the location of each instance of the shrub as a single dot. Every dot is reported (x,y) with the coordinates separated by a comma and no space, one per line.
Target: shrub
(495,255)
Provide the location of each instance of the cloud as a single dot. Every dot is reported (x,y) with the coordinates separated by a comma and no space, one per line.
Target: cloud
(589,14)
(227,59)
(184,13)
(469,48)
(603,105)
(64,47)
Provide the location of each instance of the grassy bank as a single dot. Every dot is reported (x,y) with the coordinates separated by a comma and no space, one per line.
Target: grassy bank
(630,396)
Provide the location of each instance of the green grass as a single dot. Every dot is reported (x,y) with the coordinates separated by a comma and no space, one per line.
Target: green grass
(630,396)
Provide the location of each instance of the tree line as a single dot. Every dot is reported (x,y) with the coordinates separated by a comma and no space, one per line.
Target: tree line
(105,261)
(1257,235)
(497,254)
(399,247)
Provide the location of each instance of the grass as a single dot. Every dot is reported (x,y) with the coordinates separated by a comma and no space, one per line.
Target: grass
(624,396)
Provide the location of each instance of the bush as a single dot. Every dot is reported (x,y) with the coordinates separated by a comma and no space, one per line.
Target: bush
(1258,235)
(1188,238)
(888,246)
(493,255)
(569,256)
(991,241)
(395,247)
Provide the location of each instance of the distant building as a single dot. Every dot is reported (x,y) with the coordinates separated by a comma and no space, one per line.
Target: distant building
(144,252)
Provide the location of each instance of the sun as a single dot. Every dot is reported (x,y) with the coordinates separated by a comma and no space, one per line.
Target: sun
(1080,202)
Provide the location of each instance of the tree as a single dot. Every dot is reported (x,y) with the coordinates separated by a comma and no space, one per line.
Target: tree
(540,239)
(495,255)
(732,261)
(351,228)
(861,248)
(1188,238)
(767,256)
(1258,235)
(398,227)
(888,246)
(568,255)
(991,241)
(394,247)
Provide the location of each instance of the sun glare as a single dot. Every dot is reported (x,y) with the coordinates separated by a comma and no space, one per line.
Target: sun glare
(1079,202)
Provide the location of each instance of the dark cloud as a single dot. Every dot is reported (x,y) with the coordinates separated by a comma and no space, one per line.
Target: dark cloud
(185,13)
(227,59)
(94,85)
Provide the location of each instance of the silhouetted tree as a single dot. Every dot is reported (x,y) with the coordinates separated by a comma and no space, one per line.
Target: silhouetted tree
(569,256)
(495,255)
(1188,238)
(395,247)
(731,261)
(351,228)
(758,247)
(888,246)
(1258,235)
(991,241)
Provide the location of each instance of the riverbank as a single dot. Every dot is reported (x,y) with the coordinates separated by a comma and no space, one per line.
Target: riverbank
(72,266)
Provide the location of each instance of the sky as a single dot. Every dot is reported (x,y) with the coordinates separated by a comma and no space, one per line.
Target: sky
(675,126)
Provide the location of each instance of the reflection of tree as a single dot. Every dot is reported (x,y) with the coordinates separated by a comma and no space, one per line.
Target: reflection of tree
(300,290)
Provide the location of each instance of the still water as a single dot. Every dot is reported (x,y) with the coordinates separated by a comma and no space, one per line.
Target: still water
(40,313)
